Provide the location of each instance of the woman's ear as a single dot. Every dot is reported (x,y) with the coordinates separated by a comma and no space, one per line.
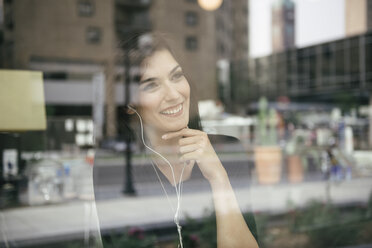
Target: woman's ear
(129,109)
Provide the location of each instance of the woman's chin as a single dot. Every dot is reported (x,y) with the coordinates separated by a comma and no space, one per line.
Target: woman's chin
(175,128)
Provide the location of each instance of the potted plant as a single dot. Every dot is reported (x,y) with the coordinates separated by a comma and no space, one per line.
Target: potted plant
(268,154)
(296,153)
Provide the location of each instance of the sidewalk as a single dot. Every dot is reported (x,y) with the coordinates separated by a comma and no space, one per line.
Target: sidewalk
(29,225)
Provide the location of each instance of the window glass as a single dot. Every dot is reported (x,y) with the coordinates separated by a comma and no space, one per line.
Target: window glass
(163,123)
(191,43)
(93,35)
(191,18)
(85,8)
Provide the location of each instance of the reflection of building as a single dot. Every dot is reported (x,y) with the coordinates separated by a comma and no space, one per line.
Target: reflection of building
(240,64)
(319,70)
(327,71)
(283,25)
(338,71)
(206,37)
(74,41)
(6,32)
(192,30)
(70,41)
(240,39)
(224,47)
(358,16)
(232,50)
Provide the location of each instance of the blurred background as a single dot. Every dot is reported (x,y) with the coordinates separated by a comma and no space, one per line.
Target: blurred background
(292,79)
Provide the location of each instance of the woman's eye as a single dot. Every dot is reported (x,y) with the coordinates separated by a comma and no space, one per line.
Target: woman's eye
(150,86)
(177,75)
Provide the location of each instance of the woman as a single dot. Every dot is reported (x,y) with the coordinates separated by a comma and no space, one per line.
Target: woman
(176,145)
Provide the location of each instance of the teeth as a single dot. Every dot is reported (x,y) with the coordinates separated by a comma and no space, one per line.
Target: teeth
(172,111)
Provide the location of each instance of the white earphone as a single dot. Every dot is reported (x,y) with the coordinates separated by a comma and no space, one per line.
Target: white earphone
(180,183)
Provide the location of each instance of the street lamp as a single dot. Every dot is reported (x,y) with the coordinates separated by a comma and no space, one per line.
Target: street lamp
(210,5)
(128,184)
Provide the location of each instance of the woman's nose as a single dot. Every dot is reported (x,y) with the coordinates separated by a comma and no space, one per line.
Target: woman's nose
(171,92)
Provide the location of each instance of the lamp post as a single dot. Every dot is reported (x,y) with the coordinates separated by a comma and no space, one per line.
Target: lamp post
(136,23)
(128,177)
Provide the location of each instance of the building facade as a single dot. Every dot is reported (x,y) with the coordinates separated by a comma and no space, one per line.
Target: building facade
(337,66)
(358,16)
(232,44)
(73,41)
(283,25)
(192,33)
(70,41)
(321,71)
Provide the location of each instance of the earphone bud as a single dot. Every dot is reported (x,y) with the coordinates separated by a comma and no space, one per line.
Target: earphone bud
(130,107)
(130,110)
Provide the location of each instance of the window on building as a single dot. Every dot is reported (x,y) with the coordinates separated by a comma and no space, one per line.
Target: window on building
(85,8)
(354,57)
(8,61)
(339,59)
(94,35)
(312,75)
(8,19)
(1,14)
(327,60)
(291,72)
(191,43)
(290,16)
(55,75)
(221,49)
(191,18)
(368,62)
(289,32)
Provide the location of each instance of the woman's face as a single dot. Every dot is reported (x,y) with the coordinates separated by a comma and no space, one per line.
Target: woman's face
(164,93)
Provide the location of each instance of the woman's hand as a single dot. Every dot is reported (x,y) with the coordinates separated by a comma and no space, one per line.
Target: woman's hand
(232,230)
(195,145)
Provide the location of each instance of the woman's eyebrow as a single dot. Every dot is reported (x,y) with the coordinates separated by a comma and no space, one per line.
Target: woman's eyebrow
(154,78)
(174,69)
(148,80)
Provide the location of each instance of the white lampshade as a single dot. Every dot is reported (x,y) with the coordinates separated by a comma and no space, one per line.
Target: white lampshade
(210,5)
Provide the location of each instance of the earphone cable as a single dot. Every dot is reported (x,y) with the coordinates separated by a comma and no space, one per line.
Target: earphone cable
(162,185)
(178,187)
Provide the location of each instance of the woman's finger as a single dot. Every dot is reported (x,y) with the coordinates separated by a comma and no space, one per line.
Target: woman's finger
(188,140)
(183,132)
(189,148)
(195,155)
(198,155)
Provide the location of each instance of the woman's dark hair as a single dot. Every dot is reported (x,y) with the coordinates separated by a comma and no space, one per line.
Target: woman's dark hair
(142,45)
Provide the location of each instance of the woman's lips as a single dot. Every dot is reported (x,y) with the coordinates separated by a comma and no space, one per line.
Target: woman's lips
(173,111)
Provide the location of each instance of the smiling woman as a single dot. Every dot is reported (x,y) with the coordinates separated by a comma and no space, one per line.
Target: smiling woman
(175,143)
(164,94)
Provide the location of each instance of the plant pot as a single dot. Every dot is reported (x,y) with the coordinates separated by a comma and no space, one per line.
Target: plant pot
(268,160)
(295,169)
